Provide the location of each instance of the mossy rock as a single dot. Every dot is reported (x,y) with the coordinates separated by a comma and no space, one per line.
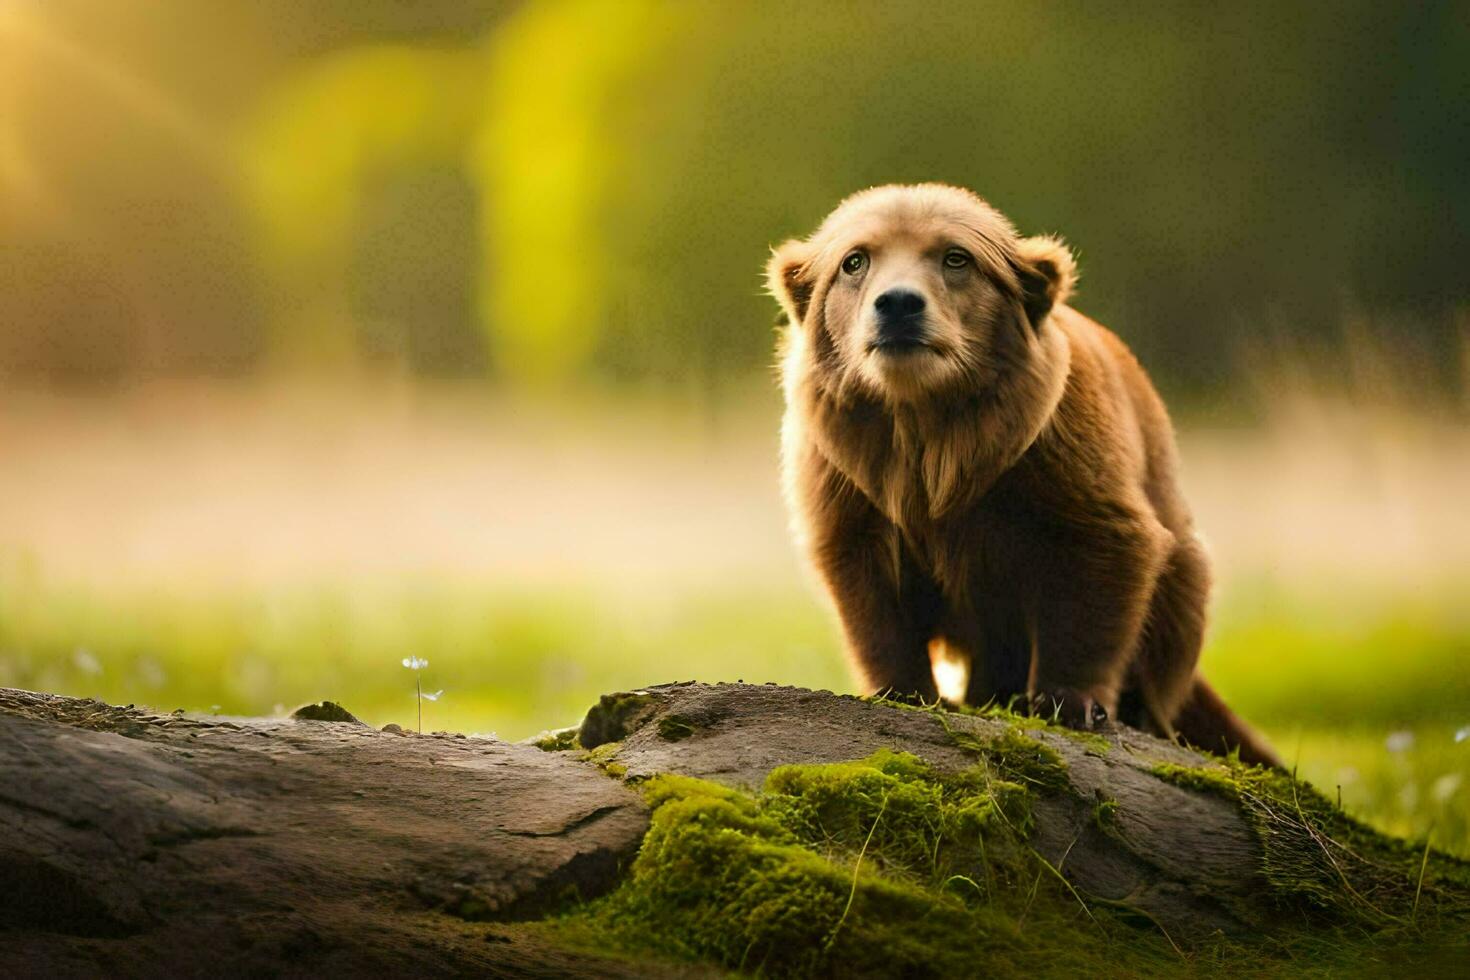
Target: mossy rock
(964,844)
(326,711)
(614,716)
(556,740)
(759,830)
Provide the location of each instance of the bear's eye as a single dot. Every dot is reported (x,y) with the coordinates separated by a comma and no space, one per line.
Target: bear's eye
(956,258)
(855,263)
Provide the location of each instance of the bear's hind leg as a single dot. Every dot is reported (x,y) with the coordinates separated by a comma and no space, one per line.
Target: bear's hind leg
(1162,675)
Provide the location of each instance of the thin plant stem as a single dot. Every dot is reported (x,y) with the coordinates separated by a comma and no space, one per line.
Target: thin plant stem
(857,866)
(1423,866)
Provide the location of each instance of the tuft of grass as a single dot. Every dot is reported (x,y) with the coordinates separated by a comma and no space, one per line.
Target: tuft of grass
(1421,783)
(1319,859)
(675,728)
(560,740)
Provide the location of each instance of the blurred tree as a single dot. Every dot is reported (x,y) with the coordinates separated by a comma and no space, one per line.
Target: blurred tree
(563,81)
(1225,172)
(267,176)
(323,143)
(127,243)
(414,266)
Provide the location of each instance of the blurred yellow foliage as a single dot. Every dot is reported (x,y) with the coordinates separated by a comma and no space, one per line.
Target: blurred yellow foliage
(313,152)
(575,189)
(557,73)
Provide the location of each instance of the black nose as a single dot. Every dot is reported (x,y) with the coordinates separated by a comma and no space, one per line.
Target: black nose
(897,304)
(900,317)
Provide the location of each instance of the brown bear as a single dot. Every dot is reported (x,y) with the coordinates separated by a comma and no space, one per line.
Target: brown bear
(971,463)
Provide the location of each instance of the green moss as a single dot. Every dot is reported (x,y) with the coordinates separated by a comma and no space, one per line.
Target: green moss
(913,821)
(1027,759)
(559,740)
(1095,743)
(602,754)
(878,867)
(1105,815)
(902,704)
(673,728)
(1215,779)
(602,758)
(615,716)
(1016,754)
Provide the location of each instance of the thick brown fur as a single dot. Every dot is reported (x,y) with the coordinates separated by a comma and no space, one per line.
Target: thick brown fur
(1004,483)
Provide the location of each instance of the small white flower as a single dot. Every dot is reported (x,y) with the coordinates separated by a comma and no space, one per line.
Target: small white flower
(151,672)
(1462,734)
(1401,741)
(86,661)
(432,697)
(415,663)
(1444,787)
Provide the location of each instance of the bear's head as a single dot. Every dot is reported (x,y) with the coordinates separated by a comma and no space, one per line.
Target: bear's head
(906,292)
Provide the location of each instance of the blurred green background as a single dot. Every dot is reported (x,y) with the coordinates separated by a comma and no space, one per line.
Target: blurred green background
(343,331)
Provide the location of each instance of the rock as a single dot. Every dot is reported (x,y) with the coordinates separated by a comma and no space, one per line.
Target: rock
(614,716)
(179,845)
(246,845)
(1191,860)
(322,711)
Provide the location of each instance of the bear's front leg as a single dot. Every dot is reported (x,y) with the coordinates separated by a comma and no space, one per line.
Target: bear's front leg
(887,606)
(887,640)
(1089,615)
(887,609)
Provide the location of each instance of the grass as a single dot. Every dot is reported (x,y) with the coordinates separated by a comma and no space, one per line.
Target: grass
(1364,694)
(1344,657)
(1365,697)
(1418,791)
(510,662)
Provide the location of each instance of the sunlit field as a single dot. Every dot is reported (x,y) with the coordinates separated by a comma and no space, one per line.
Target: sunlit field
(243,550)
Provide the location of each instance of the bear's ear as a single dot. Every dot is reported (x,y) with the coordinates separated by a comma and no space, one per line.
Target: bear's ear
(1048,274)
(791,279)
